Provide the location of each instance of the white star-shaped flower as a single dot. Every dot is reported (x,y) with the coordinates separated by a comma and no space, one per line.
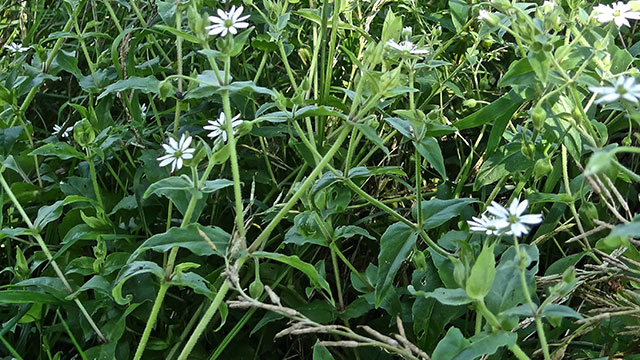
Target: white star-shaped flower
(57,128)
(515,219)
(227,22)
(408,47)
(624,88)
(487,225)
(177,152)
(16,48)
(218,127)
(618,12)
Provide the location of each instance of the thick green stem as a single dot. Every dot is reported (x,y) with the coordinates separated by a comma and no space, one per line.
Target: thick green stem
(152,319)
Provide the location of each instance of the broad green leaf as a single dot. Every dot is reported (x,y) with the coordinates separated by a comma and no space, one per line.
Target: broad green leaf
(47,214)
(200,240)
(436,212)
(349,231)
(8,137)
(506,291)
(148,85)
(178,189)
(96,283)
(26,296)
(215,185)
(482,274)
(430,150)
(502,108)
(178,33)
(67,61)
(62,150)
(370,134)
(129,271)
(459,13)
(452,343)
(197,283)
(564,263)
(556,310)
(486,344)
(395,245)
(444,295)
(316,279)
(505,161)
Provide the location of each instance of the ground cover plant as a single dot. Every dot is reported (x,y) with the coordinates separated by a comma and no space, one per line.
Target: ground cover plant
(300,179)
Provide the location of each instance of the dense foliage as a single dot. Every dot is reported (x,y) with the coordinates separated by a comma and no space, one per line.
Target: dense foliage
(319,179)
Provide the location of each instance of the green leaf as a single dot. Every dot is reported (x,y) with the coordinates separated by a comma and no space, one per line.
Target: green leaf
(178,189)
(436,212)
(444,295)
(68,62)
(295,262)
(215,185)
(459,13)
(349,231)
(26,296)
(47,214)
(178,33)
(200,240)
(452,344)
(486,344)
(8,137)
(129,271)
(395,245)
(148,85)
(430,150)
(62,150)
(96,283)
(506,291)
(506,161)
(197,283)
(370,134)
(564,263)
(482,274)
(502,108)
(556,310)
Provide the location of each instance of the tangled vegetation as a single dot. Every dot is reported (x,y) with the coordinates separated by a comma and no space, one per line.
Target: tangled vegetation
(301,179)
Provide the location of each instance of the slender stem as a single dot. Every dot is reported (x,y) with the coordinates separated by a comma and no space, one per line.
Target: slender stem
(204,321)
(487,314)
(94,178)
(46,252)
(235,169)
(152,319)
(283,54)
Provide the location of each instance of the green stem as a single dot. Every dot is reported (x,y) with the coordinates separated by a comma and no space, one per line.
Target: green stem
(94,178)
(204,321)
(152,319)
(283,54)
(487,314)
(235,169)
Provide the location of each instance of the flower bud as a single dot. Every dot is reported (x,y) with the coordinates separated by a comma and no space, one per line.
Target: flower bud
(489,18)
(83,133)
(419,260)
(22,268)
(256,288)
(542,168)
(407,32)
(502,5)
(538,116)
(470,103)
(528,150)
(626,141)
(165,89)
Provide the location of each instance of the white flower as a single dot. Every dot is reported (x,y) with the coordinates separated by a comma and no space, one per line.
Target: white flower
(514,218)
(489,226)
(624,88)
(16,48)
(227,22)
(65,133)
(177,152)
(407,46)
(619,13)
(143,111)
(217,127)
(489,18)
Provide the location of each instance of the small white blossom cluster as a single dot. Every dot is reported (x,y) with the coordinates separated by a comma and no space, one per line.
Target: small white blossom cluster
(217,127)
(177,152)
(57,129)
(618,12)
(502,221)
